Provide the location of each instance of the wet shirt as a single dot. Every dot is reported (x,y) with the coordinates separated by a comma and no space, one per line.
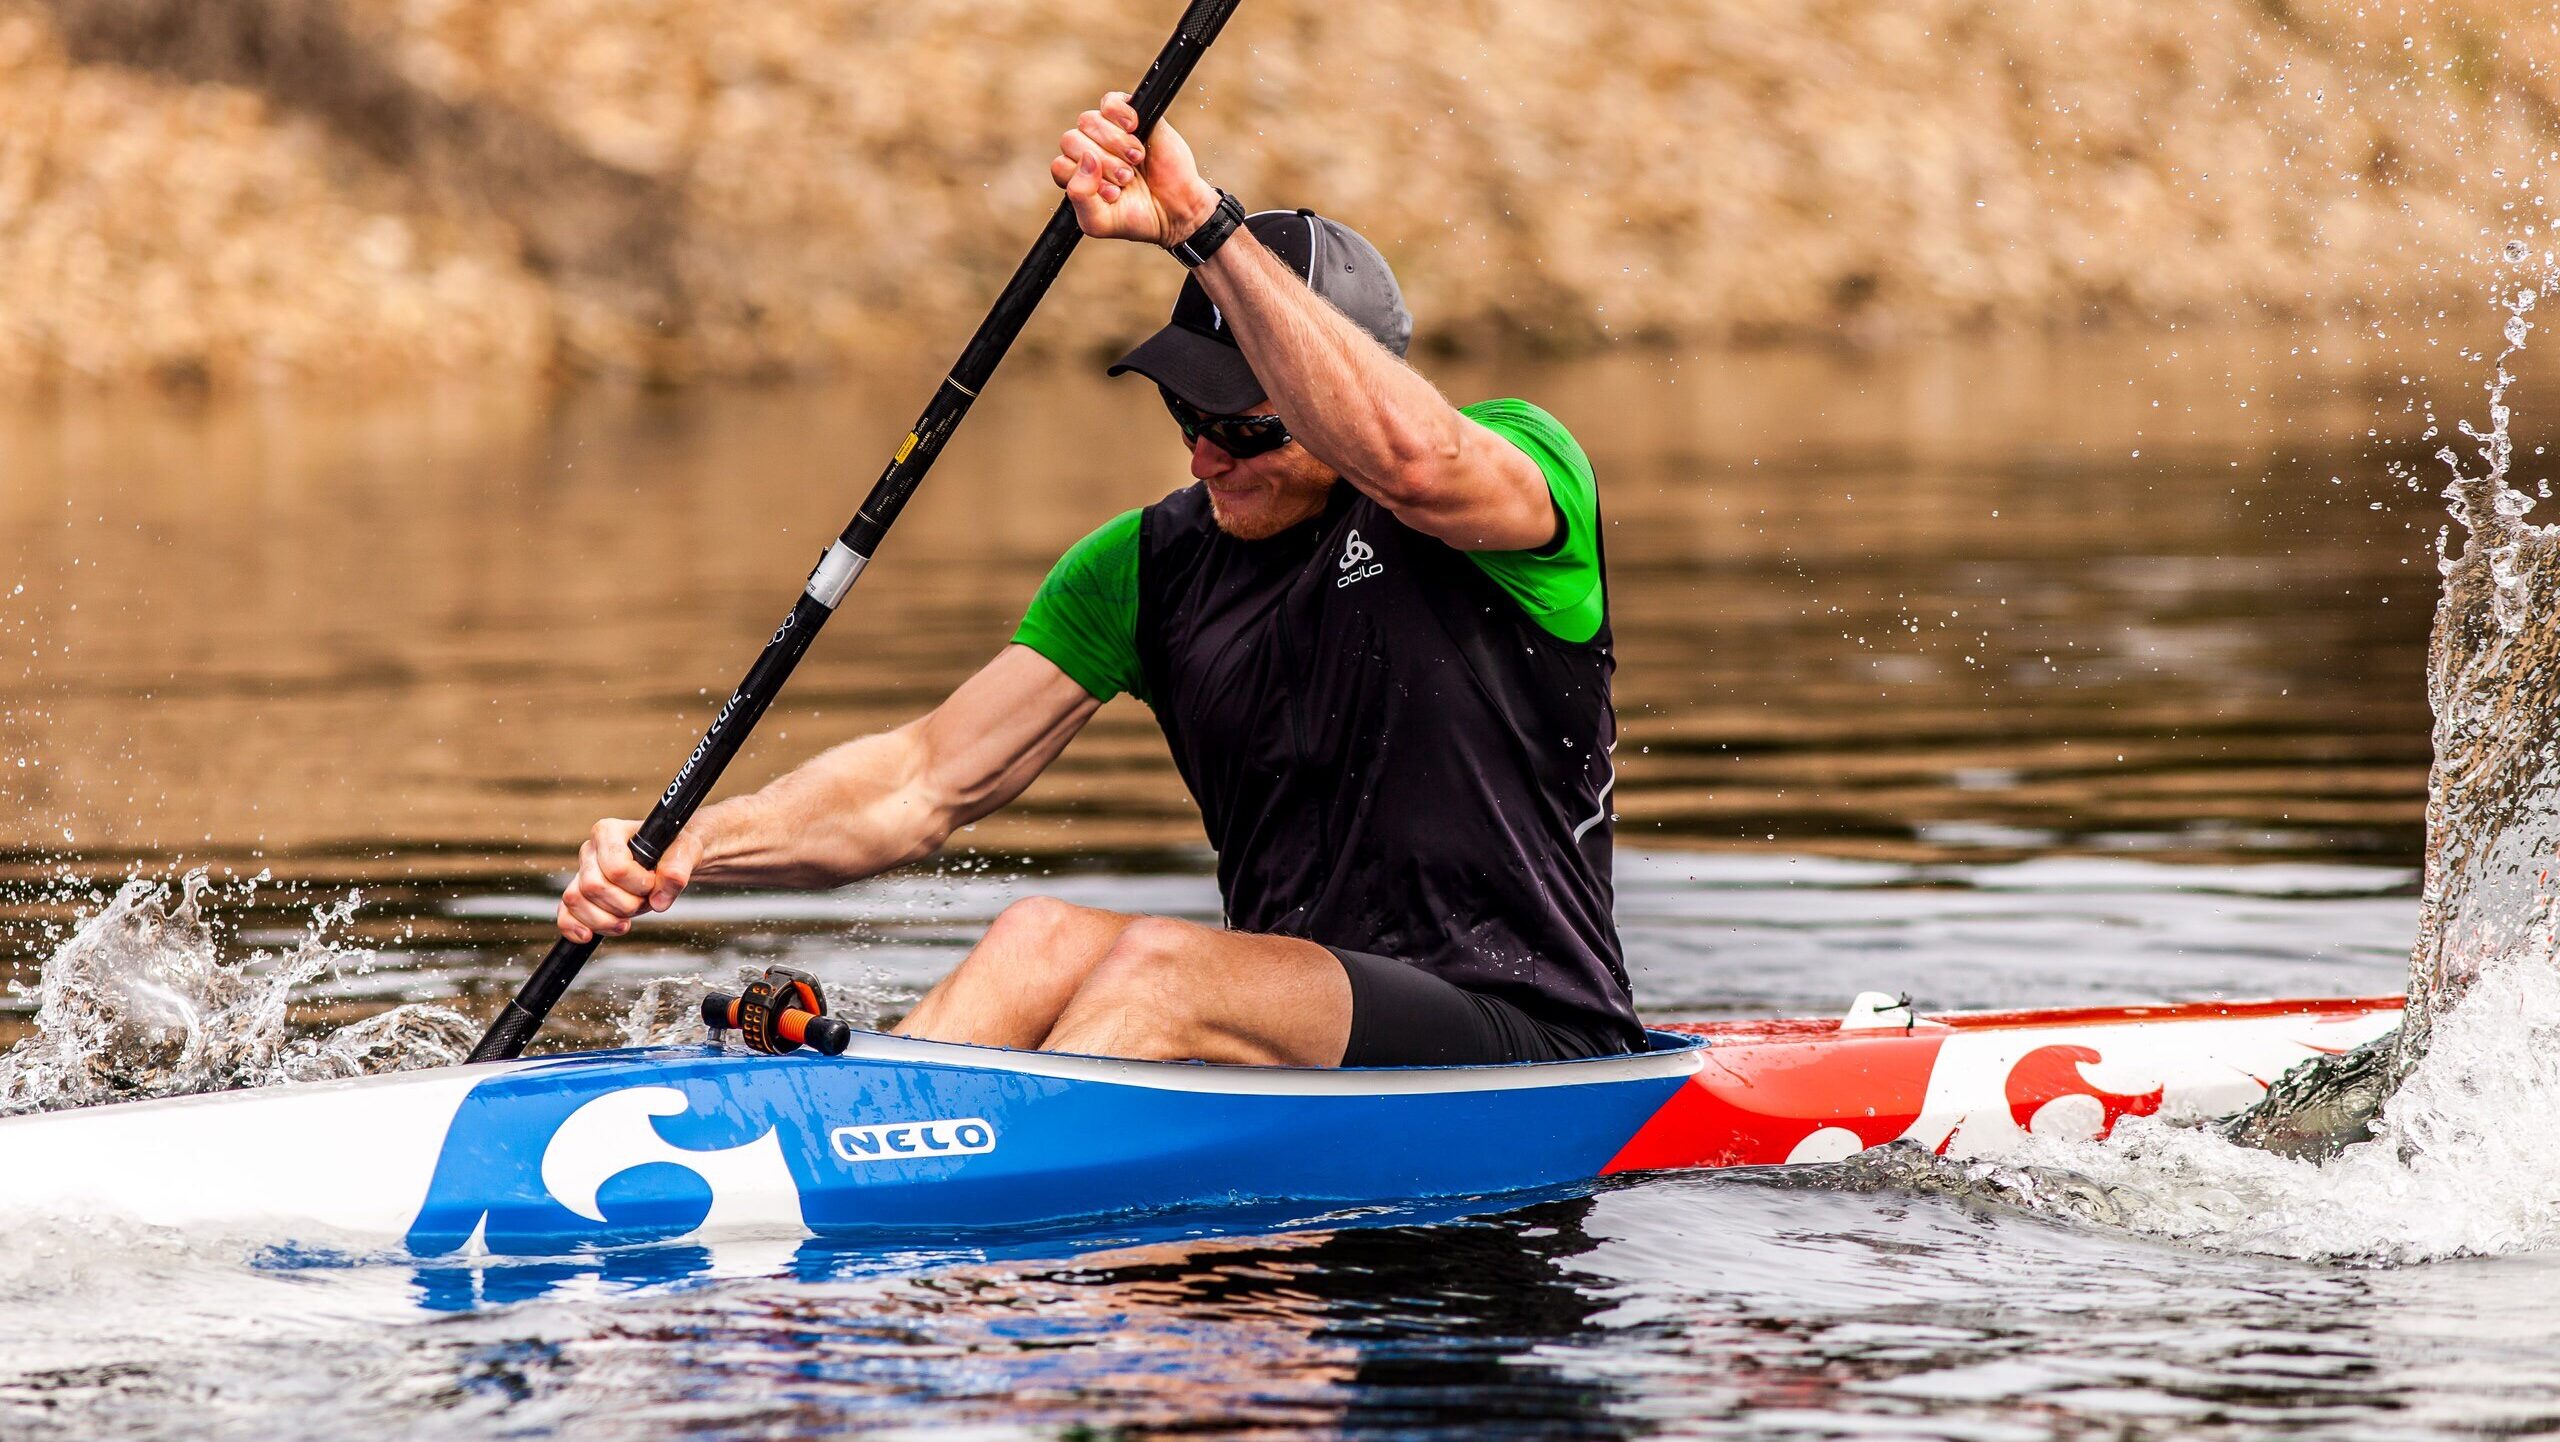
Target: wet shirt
(1396,746)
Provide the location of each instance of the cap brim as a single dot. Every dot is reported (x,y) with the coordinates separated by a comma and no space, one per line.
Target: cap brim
(1207,373)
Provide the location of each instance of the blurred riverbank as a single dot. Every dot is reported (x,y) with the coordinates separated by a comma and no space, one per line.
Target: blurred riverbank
(368,191)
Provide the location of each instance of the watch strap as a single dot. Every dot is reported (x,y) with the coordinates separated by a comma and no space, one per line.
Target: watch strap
(1195,249)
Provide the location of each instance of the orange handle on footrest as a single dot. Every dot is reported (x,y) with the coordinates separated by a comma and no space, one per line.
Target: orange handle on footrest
(774,1026)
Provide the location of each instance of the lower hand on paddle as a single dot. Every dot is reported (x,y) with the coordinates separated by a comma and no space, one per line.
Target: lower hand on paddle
(1124,188)
(612,887)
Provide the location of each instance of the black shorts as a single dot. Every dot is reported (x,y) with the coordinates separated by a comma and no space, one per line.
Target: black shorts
(1402,1015)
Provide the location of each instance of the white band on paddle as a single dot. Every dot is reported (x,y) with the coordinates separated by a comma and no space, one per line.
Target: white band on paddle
(835,573)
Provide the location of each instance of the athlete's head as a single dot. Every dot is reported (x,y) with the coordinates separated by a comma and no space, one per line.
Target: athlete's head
(1256,491)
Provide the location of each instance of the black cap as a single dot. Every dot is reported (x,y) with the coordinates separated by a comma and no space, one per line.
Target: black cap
(1196,357)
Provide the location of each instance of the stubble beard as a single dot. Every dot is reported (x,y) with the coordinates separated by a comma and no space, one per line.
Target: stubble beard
(1268,515)
(1261,523)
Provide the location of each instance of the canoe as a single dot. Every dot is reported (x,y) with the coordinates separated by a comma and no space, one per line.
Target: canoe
(905,1142)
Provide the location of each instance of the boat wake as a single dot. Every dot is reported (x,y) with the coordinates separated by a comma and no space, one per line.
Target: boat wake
(141,1002)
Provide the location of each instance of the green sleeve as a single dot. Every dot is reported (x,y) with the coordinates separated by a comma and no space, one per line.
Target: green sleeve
(1085,617)
(1559,584)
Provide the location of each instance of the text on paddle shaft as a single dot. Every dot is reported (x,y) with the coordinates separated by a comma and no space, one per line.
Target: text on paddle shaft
(727,710)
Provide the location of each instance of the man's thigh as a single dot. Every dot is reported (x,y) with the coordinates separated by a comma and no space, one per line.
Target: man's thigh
(1176,990)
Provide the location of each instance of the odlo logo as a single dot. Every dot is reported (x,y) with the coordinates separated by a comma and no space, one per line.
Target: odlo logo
(912,1141)
(1356,564)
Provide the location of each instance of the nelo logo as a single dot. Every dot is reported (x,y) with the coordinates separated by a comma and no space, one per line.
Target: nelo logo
(913,1141)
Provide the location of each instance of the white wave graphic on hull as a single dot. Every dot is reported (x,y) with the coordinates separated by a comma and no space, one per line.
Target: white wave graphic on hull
(751,1186)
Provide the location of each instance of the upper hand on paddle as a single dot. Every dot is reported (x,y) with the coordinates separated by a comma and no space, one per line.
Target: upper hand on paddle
(612,887)
(1127,189)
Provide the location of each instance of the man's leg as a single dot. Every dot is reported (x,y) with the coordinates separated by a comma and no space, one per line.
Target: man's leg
(1175,991)
(1013,984)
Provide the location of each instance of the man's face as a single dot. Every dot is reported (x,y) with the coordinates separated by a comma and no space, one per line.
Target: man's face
(1264,495)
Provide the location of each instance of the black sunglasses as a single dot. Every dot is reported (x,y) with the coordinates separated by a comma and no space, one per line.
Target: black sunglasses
(1242,437)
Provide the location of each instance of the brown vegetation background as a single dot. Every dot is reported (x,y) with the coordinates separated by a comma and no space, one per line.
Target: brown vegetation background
(218,191)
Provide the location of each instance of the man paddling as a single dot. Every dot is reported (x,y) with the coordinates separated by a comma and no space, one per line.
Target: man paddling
(1375,634)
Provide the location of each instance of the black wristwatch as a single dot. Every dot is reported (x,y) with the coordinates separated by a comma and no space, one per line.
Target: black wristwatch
(1195,249)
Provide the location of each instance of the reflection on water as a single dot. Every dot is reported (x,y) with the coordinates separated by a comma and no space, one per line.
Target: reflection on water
(1697,1305)
(1988,603)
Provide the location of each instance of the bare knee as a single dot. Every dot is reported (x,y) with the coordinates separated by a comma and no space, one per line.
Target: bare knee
(1035,922)
(1013,984)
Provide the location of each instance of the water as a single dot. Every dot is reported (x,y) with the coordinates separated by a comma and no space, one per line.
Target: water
(1693,1306)
(1929,685)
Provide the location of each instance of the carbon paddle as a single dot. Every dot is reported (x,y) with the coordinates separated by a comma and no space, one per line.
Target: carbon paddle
(853,549)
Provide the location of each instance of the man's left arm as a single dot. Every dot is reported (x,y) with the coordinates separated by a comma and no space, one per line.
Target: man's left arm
(1361,410)
(1353,404)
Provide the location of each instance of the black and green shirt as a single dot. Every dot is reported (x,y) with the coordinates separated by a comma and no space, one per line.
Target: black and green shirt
(1397,746)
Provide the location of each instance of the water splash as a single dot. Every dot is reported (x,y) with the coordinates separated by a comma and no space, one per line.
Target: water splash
(2493,793)
(667,1011)
(140,1002)
(2493,682)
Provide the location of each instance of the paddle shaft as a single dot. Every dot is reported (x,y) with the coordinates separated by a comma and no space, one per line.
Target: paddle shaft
(853,550)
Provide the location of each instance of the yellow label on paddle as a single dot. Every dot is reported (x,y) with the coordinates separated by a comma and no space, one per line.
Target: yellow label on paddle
(905,449)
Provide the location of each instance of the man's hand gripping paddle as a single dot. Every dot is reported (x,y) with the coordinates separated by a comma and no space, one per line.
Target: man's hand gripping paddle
(853,550)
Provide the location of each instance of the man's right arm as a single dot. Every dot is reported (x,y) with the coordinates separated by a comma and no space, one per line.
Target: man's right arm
(856,810)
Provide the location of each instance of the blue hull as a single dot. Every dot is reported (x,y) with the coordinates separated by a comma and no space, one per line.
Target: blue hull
(902,1142)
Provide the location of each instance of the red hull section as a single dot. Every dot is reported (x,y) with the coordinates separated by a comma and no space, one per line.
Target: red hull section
(1771,1092)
